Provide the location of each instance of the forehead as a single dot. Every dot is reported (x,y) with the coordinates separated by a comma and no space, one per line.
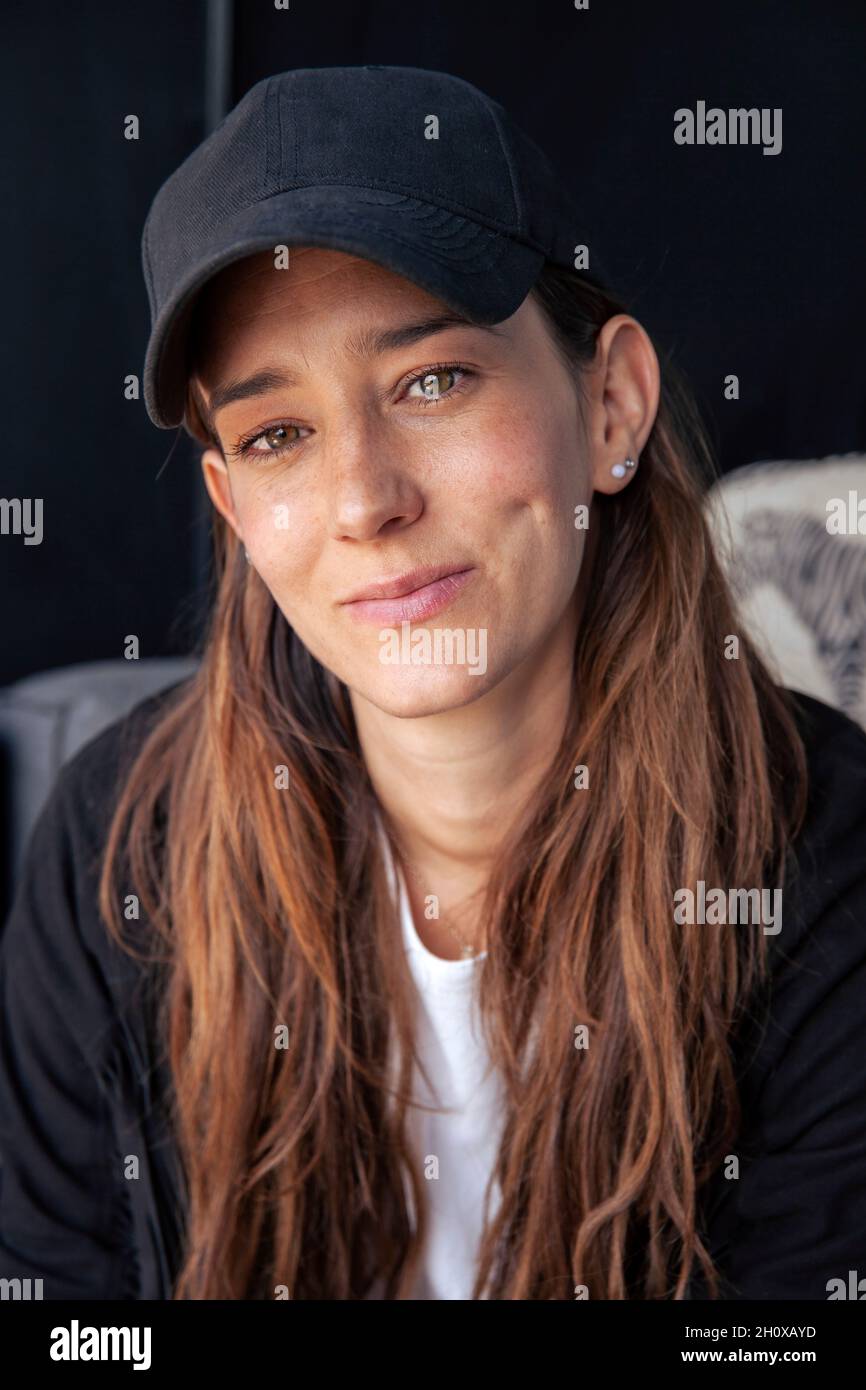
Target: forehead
(253,308)
(325,300)
(315,281)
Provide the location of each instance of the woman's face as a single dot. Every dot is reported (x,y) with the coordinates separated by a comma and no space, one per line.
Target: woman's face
(352,462)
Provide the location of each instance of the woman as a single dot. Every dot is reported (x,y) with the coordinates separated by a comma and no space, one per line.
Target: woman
(418,1013)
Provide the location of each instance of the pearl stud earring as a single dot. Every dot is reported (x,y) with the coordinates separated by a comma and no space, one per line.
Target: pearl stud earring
(619,470)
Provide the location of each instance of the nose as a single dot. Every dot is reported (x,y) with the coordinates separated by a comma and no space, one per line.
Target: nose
(370,484)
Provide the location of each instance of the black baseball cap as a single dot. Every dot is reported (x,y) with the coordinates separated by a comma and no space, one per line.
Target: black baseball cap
(416,170)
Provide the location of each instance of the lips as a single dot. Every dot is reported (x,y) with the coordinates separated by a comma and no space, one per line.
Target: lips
(411,597)
(406,583)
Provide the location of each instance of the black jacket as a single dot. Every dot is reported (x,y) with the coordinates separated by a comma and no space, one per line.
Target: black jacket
(82,1085)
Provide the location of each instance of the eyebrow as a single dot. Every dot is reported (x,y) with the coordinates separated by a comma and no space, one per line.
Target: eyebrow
(369,343)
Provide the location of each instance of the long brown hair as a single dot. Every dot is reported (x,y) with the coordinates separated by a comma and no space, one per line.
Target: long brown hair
(275,911)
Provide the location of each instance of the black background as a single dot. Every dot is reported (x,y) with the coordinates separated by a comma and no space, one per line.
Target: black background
(734,261)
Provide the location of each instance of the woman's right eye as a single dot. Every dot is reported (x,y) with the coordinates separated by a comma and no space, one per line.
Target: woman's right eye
(275,439)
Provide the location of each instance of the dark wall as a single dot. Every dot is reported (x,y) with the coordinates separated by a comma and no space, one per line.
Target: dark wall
(735,260)
(118,550)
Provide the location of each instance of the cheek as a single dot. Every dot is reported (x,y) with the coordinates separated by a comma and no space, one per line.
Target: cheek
(526,460)
(279,532)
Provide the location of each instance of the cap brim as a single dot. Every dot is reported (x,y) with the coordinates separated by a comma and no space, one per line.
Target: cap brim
(475,270)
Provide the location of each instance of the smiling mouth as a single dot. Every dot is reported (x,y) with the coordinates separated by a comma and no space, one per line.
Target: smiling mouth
(415,605)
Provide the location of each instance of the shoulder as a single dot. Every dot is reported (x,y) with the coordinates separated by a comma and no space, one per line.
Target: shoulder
(80,1057)
(54,929)
(835,747)
(827,879)
(789,1217)
(818,957)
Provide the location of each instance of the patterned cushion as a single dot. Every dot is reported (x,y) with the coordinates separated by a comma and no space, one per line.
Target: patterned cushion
(801,587)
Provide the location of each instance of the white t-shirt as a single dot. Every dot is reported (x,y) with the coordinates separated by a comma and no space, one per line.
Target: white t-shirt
(459,1145)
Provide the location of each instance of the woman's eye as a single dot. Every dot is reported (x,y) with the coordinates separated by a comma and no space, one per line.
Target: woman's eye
(275,439)
(431,385)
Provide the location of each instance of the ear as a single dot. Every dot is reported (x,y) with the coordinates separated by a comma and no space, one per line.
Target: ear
(218,484)
(627,386)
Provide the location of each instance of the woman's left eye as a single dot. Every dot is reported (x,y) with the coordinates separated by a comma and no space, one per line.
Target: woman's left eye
(430,382)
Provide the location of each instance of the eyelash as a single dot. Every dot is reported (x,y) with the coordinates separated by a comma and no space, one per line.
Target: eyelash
(244,448)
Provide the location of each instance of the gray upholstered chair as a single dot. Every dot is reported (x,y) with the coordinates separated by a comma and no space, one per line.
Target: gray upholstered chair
(46,717)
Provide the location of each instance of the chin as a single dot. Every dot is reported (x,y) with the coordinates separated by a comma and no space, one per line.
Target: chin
(408,694)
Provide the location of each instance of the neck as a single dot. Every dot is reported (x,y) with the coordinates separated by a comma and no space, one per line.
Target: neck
(451,784)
